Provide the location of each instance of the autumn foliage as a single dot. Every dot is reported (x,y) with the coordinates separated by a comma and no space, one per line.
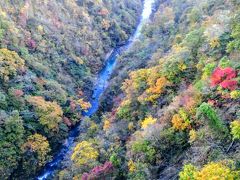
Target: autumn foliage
(45,59)
(235,129)
(225,78)
(10,63)
(84,105)
(213,170)
(38,144)
(99,171)
(49,113)
(84,154)
(181,121)
(148,121)
(154,91)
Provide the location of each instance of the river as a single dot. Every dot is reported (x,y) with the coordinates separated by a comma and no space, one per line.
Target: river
(101,85)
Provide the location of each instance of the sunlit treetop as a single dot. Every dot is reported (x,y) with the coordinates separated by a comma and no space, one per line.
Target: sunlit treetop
(148,121)
(84,154)
(49,113)
(10,63)
(38,144)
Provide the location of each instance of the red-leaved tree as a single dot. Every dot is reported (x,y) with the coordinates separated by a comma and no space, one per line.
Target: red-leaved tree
(225,78)
(99,171)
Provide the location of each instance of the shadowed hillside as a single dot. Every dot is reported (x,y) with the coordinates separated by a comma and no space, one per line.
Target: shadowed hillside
(50,54)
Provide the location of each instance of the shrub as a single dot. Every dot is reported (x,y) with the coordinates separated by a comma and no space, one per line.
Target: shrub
(84,105)
(64,174)
(194,39)
(115,160)
(106,125)
(169,142)
(54,91)
(16,98)
(136,83)
(224,62)
(131,166)
(124,110)
(89,127)
(171,71)
(215,43)
(195,15)
(3,28)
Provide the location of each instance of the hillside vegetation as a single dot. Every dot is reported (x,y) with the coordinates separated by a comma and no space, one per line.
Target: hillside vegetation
(172,108)
(50,54)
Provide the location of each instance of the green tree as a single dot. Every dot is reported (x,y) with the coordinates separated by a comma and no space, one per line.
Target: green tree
(143,149)
(235,43)
(3,101)
(193,40)
(195,15)
(11,140)
(207,111)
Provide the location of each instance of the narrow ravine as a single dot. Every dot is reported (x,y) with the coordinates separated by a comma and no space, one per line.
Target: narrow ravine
(100,87)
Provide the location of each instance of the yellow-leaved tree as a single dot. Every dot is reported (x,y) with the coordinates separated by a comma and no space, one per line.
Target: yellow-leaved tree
(148,121)
(84,105)
(38,144)
(10,62)
(212,170)
(84,154)
(181,121)
(235,129)
(49,113)
(155,91)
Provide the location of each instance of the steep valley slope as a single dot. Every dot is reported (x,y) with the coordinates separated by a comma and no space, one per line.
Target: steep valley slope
(172,108)
(50,54)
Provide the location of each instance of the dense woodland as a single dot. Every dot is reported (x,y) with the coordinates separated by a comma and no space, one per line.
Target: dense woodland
(172,108)
(50,54)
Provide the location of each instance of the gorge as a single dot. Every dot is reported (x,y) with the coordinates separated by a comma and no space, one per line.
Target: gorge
(119,89)
(100,85)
